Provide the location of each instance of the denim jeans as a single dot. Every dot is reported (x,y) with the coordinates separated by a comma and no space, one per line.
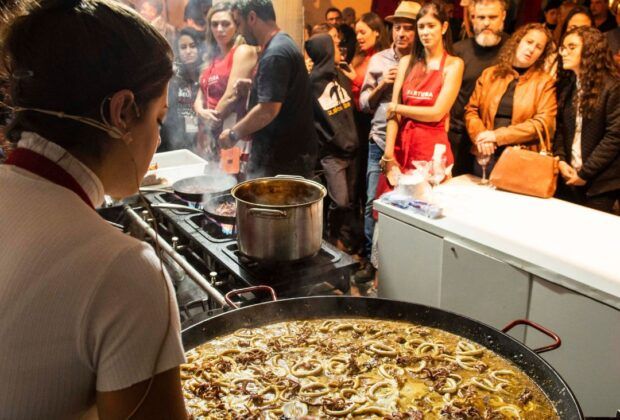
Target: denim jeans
(373,171)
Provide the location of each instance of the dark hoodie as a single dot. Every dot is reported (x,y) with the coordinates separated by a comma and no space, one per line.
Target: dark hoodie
(180,127)
(334,118)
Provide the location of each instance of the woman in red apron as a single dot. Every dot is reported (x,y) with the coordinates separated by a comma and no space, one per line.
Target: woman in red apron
(217,101)
(426,86)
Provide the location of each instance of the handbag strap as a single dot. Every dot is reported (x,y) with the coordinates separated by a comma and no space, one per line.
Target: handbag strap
(543,138)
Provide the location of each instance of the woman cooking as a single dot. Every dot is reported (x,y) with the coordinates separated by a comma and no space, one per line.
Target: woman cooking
(89,318)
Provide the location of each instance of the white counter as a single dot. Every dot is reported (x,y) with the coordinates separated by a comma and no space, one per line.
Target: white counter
(570,245)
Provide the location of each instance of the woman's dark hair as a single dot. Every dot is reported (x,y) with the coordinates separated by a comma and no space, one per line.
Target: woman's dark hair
(435,9)
(579,10)
(70,56)
(376,24)
(189,71)
(213,50)
(597,63)
(507,54)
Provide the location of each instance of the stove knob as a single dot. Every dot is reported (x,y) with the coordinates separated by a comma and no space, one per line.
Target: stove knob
(175,243)
(146,216)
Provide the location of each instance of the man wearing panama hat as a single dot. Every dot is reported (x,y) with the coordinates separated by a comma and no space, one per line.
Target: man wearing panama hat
(375,96)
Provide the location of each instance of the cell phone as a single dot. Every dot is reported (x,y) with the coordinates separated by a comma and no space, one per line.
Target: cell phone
(344,65)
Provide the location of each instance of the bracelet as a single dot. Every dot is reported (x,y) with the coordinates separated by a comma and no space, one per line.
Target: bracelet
(384,159)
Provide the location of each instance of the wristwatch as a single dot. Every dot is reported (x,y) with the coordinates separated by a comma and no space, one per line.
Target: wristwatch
(232,135)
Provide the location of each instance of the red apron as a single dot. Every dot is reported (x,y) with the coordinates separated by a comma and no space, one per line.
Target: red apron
(46,168)
(416,140)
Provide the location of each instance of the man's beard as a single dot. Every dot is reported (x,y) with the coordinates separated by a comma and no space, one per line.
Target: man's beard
(250,39)
(488,40)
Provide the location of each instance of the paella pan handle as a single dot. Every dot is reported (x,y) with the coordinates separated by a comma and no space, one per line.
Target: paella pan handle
(547,332)
(229,295)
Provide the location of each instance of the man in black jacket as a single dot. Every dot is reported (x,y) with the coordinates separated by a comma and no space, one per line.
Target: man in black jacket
(603,19)
(478,53)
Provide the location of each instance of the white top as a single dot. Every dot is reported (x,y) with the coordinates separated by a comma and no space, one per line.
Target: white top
(83,307)
(570,245)
(576,161)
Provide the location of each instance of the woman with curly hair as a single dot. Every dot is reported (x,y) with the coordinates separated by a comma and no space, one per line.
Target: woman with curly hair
(588,137)
(514,99)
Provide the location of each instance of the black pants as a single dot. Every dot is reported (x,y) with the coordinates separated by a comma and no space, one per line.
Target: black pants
(341,177)
(461,149)
(602,202)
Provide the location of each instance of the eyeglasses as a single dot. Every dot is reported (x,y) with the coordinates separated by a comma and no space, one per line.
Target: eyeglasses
(568,49)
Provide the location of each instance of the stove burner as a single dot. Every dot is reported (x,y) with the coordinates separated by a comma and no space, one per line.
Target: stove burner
(324,257)
(215,231)
(295,278)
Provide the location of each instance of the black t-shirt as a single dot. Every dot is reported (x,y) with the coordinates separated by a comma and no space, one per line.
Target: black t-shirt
(180,127)
(476,59)
(503,116)
(609,23)
(287,145)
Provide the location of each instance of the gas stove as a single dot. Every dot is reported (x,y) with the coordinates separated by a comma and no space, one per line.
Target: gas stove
(203,259)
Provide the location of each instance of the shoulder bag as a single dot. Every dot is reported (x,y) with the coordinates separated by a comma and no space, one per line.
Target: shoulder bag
(526,172)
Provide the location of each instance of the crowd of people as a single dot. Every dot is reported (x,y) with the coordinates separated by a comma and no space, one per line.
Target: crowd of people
(370,96)
(87,109)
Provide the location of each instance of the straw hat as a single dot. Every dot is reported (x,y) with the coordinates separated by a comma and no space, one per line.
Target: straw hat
(405,10)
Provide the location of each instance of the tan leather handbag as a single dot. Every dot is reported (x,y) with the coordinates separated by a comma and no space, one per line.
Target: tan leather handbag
(526,172)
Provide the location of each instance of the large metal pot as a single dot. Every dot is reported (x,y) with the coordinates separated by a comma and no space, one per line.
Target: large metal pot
(502,344)
(279,219)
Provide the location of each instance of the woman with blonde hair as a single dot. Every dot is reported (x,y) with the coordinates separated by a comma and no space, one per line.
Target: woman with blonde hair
(228,60)
(514,99)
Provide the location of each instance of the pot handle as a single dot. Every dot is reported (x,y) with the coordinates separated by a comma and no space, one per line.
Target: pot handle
(279,214)
(229,295)
(289,176)
(547,332)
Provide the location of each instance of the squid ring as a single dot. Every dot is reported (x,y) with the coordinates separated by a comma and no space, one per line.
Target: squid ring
(314,389)
(376,387)
(339,413)
(397,371)
(382,349)
(298,371)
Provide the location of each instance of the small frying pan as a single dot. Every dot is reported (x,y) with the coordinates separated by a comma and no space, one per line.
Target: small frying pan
(214,201)
(198,188)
